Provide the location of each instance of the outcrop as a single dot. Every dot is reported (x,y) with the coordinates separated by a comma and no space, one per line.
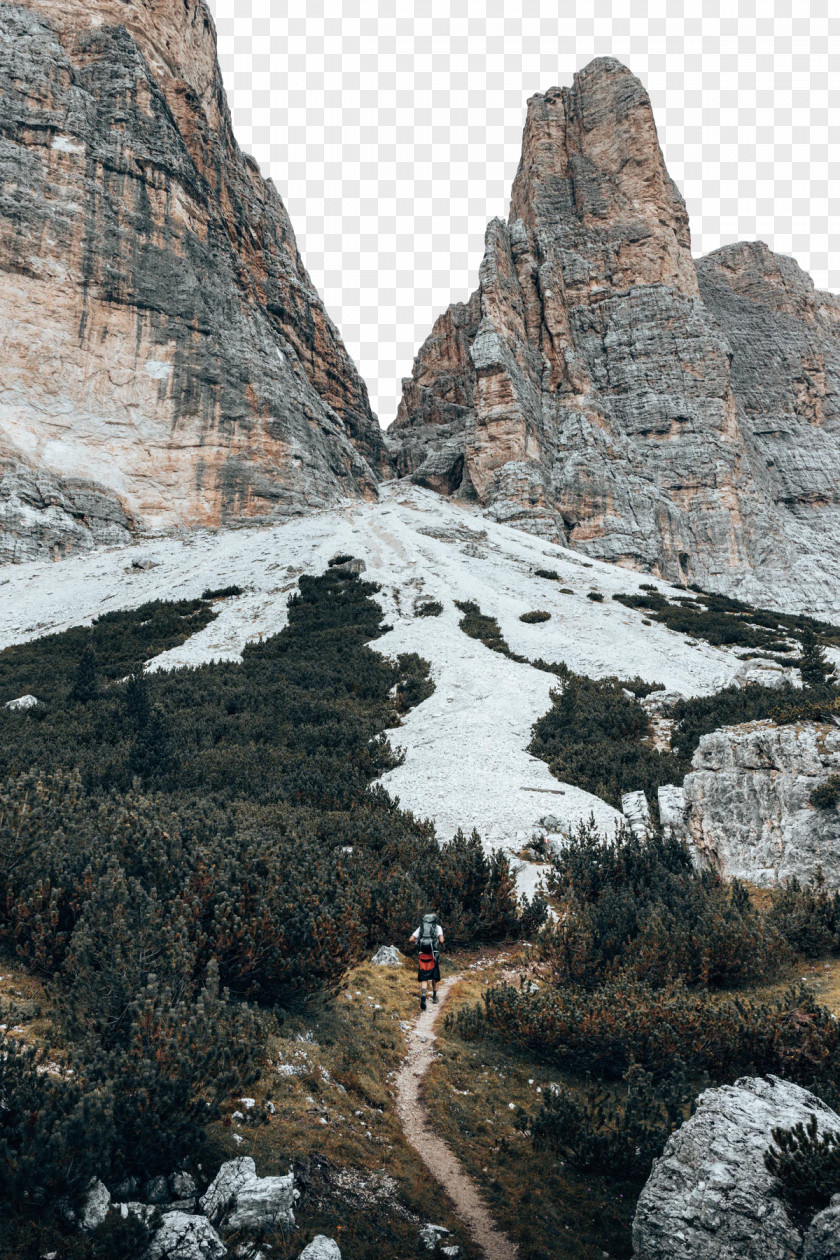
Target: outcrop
(748,810)
(602,390)
(165,358)
(710,1196)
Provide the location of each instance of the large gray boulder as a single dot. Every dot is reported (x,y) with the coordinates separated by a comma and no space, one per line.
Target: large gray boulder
(709,1196)
(387,956)
(243,1200)
(183,1237)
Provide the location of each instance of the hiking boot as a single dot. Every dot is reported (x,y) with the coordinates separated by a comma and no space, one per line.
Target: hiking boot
(434,998)
(423,1003)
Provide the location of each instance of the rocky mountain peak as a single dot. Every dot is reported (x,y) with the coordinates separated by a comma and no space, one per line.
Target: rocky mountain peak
(603,390)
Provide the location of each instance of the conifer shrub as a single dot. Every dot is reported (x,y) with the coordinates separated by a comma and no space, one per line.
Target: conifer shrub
(595,596)
(592,737)
(808,917)
(807,1166)
(532,618)
(428,608)
(638,905)
(341,558)
(617,1130)
(222,592)
(550,574)
(827,795)
(486,629)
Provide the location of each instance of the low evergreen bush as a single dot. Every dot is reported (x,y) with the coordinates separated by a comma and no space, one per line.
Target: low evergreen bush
(550,574)
(531,618)
(827,795)
(221,592)
(807,1165)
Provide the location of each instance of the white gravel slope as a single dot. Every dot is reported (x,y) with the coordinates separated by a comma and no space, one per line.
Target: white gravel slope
(466,763)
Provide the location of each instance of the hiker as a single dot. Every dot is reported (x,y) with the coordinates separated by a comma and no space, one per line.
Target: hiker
(429,937)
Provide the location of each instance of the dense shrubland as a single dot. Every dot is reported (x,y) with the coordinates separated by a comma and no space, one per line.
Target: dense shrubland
(634,988)
(178,845)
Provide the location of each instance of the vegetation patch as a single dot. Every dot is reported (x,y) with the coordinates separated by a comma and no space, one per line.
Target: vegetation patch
(118,641)
(807,1165)
(592,736)
(827,795)
(595,596)
(428,608)
(192,841)
(532,618)
(222,592)
(486,629)
(550,574)
(722,621)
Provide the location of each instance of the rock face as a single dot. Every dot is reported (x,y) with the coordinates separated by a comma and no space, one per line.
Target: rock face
(165,357)
(747,807)
(600,390)
(709,1196)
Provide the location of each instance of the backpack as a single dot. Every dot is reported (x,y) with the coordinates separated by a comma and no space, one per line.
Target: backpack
(428,940)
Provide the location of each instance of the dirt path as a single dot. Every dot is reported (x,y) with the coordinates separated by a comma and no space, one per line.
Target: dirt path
(435,1154)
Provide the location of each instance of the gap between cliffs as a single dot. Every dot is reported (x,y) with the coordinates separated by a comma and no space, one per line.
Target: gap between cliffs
(441,1162)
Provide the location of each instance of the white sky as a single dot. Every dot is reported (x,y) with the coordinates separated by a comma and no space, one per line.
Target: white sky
(392,131)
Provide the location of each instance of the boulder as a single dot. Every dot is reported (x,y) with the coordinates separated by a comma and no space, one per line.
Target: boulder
(22,703)
(387,956)
(748,802)
(263,1203)
(709,1196)
(766,673)
(221,1193)
(96,1206)
(671,801)
(156,1190)
(183,1185)
(822,1239)
(321,1248)
(431,1235)
(245,1201)
(635,807)
(661,703)
(182,1237)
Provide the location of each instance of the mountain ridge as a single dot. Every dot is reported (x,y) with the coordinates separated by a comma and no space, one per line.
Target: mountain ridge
(603,389)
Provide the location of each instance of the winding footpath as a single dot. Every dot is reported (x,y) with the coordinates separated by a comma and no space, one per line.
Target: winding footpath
(444,1166)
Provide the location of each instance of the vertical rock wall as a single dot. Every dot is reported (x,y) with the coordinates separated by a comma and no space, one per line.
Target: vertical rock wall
(161,343)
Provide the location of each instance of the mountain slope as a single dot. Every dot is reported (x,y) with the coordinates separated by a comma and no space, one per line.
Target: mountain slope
(466,763)
(166,359)
(601,390)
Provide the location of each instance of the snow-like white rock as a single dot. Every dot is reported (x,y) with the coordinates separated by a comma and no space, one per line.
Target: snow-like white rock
(183,1237)
(466,762)
(387,956)
(22,702)
(96,1205)
(321,1248)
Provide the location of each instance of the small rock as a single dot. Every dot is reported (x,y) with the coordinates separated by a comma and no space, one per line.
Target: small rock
(182,1237)
(156,1190)
(635,807)
(22,702)
(127,1189)
(321,1248)
(387,956)
(248,1103)
(183,1185)
(822,1238)
(96,1206)
(430,1235)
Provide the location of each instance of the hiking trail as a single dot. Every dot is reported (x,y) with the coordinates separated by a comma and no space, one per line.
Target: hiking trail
(440,1160)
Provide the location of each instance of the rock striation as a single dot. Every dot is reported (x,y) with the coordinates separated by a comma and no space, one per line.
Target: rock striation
(603,391)
(165,357)
(748,812)
(709,1196)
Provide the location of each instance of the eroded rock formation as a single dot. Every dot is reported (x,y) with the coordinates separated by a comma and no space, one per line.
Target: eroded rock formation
(710,1196)
(165,358)
(748,812)
(600,390)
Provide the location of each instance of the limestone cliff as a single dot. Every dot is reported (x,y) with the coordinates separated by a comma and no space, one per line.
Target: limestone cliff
(602,391)
(164,357)
(747,802)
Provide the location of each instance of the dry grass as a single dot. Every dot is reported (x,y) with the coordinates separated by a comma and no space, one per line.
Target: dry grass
(553,1212)
(329,1074)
